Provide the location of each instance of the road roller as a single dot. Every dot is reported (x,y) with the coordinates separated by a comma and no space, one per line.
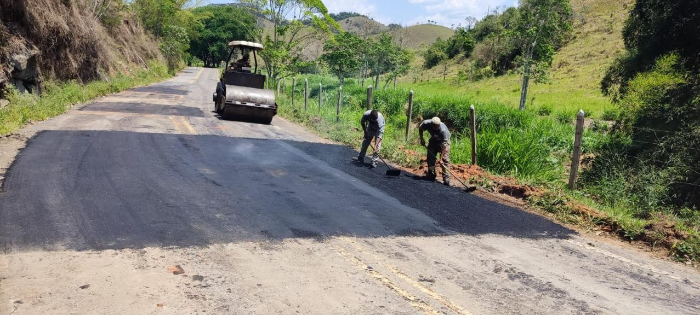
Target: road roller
(241,93)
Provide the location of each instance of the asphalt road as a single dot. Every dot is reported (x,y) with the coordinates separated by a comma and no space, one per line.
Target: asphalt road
(106,201)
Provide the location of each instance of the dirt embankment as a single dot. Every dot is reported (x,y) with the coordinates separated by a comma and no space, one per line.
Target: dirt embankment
(62,40)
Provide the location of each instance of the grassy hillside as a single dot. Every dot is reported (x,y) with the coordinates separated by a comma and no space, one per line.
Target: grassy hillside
(69,43)
(417,36)
(576,71)
(414,37)
(362,26)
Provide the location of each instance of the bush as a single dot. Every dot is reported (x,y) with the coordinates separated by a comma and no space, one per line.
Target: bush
(565,117)
(611,114)
(544,110)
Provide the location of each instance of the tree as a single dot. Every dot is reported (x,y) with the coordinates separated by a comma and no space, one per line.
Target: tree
(657,85)
(342,55)
(394,26)
(380,56)
(218,25)
(172,22)
(470,22)
(543,27)
(462,42)
(174,44)
(435,54)
(399,64)
(344,15)
(290,36)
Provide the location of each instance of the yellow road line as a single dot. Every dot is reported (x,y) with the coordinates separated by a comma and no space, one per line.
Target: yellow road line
(449,304)
(415,302)
(177,124)
(182,125)
(197,76)
(187,125)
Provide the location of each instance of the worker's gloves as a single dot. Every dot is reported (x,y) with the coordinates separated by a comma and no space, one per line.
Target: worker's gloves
(422,142)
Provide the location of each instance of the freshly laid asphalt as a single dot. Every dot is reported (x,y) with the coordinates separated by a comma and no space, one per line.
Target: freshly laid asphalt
(155,170)
(92,190)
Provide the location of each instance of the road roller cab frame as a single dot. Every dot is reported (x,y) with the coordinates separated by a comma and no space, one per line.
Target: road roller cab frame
(241,93)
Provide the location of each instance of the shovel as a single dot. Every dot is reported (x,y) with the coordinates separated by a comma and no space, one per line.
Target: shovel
(391,171)
(467,188)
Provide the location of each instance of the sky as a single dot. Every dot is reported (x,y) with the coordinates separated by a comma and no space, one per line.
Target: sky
(410,12)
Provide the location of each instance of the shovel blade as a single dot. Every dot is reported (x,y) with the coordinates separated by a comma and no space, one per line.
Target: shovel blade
(393,173)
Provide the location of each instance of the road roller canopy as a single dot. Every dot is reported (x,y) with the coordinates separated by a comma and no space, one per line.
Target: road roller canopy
(245,44)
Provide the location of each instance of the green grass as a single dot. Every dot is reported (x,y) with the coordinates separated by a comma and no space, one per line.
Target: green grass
(575,75)
(58,97)
(522,144)
(505,90)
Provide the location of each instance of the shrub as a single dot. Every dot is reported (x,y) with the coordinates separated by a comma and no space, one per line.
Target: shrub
(544,110)
(611,114)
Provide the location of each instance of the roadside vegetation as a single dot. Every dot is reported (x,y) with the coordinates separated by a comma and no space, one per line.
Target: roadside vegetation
(573,80)
(638,178)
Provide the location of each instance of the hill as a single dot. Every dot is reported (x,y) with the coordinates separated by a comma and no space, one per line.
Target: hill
(362,26)
(576,71)
(417,36)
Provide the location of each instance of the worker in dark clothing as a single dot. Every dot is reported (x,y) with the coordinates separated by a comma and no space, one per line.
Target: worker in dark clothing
(439,143)
(243,64)
(372,123)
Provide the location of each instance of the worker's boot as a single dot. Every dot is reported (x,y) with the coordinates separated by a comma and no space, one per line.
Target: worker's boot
(431,176)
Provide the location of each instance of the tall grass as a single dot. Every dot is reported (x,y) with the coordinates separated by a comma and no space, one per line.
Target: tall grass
(510,142)
(58,97)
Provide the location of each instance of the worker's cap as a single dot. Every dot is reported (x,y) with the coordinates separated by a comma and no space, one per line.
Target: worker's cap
(436,121)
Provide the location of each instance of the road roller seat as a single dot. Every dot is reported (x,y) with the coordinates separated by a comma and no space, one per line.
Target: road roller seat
(250,80)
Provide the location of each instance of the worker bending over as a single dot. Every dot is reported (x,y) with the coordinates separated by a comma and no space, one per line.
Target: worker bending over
(372,123)
(439,142)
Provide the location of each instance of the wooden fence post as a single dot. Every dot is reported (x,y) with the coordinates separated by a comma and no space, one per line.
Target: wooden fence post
(409,114)
(369,97)
(472,114)
(294,85)
(576,158)
(320,96)
(306,95)
(340,102)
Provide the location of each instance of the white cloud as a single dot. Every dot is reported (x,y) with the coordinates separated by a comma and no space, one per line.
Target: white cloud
(453,12)
(359,6)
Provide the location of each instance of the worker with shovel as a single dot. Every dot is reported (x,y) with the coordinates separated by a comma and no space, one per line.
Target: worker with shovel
(372,123)
(439,142)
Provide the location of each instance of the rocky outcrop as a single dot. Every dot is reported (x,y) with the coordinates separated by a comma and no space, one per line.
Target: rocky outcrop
(24,71)
(59,40)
